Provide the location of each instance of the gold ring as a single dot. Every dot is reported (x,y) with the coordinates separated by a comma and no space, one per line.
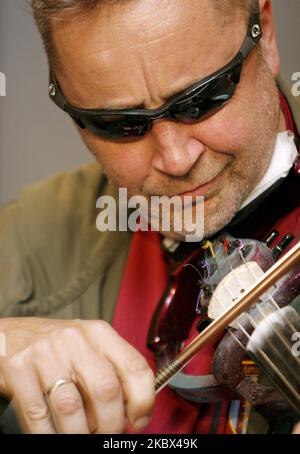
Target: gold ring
(53,387)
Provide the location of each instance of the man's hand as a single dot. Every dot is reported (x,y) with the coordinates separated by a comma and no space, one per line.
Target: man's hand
(112,387)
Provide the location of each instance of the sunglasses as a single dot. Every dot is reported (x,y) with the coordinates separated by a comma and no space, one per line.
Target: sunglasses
(189,106)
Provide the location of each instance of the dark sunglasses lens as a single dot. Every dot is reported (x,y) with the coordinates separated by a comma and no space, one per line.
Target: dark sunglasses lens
(114,127)
(207,100)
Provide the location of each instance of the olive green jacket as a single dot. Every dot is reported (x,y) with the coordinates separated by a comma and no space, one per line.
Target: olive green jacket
(53,260)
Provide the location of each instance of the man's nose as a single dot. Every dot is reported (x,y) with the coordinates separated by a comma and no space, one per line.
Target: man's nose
(175,149)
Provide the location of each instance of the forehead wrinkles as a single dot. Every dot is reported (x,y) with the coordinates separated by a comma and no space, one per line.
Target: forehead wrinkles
(114,27)
(152,40)
(128,25)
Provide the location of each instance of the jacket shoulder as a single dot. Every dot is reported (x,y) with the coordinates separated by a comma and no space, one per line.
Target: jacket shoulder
(59,221)
(47,234)
(64,197)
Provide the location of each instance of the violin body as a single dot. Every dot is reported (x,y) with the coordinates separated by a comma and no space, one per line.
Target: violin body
(210,277)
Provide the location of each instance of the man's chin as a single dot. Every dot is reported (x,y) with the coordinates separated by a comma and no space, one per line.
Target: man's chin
(209,231)
(218,216)
(212,216)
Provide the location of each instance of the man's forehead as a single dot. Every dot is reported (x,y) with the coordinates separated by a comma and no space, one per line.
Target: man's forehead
(172,45)
(135,21)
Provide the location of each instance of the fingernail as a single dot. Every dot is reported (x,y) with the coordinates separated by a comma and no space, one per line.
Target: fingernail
(141,423)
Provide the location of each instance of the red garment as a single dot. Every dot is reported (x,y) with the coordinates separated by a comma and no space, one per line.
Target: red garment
(144,281)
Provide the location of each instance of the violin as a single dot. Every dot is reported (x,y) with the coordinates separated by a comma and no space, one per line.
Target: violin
(234,291)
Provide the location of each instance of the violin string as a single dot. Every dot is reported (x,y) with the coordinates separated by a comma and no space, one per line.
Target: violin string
(270,296)
(283,358)
(237,340)
(198,299)
(198,303)
(233,297)
(279,373)
(271,364)
(258,305)
(251,320)
(275,329)
(268,359)
(224,307)
(254,324)
(274,303)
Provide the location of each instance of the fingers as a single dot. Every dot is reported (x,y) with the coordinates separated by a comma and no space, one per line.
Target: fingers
(134,373)
(28,400)
(102,393)
(94,403)
(112,382)
(65,402)
(99,386)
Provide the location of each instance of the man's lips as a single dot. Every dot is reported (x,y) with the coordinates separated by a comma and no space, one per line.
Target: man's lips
(203,189)
(200,190)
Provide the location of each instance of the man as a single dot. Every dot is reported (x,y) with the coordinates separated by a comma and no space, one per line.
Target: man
(67,369)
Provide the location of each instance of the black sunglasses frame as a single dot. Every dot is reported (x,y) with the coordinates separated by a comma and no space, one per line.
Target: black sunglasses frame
(232,69)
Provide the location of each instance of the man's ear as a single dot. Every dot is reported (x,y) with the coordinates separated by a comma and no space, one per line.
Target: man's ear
(268,42)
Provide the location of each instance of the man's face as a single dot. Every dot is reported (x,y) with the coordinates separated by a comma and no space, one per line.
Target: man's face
(140,53)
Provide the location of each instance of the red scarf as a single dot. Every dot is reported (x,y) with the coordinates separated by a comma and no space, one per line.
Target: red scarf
(144,281)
